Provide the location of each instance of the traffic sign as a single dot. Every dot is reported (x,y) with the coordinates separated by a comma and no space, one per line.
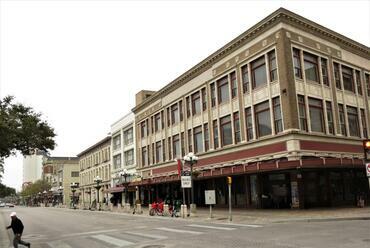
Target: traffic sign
(367,166)
(210,197)
(185,181)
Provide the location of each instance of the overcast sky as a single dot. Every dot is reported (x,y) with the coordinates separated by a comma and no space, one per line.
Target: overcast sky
(80,63)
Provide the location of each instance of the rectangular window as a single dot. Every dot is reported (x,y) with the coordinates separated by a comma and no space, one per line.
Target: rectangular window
(297,63)
(175,113)
(148,154)
(226,131)
(258,70)
(342,120)
(168,117)
(198,139)
(129,157)
(358,83)
(353,122)
(190,143)
(181,111)
(195,102)
(157,122)
(337,76)
(324,72)
(152,123)
(311,68)
(153,153)
(169,142)
(363,120)
(117,161)
(278,120)
(163,150)
(206,137)
(182,139)
(272,64)
(75,173)
(329,115)
(176,146)
(263,119)
(367,81)
(245,78)
(215,134)
(347,78)
(158,151)
(236,128)
(302,113)
(316,115)
(162,119)
(116,142)
(204,99)
(144,156)
(128,136)
(188,109)
(223,90)
(213,95)
(249,123)
(234,85)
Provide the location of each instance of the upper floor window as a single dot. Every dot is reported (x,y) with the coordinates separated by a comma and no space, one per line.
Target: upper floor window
(204,99)
(188,108)
(297,63)
(157,122)
(311,68)
(144,156)
(226,131)
(176,146)
(117,161)
(367,81)
(353,123)
(175,113)
(302,113)
(316,115)
(168,117)
(324,71)
(236,127)
(169,143)
(258,70)
(278,120)
(128,136)
(234,85)
(329,115)
(206,137)
(75,173)
(272,65)
(129,157)
(347,77)
(195,100)
(363,121)
(358,82)
(342,120)
(249,123)
(117,142)
(262,119)
(213,94)
(158,151)
(223,90)
(181,111)
(190,141)
(215,134)
(337,76)
(245,78)
(198,139)
(182,141)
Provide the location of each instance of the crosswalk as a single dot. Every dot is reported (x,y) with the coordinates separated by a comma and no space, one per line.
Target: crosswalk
(118,238)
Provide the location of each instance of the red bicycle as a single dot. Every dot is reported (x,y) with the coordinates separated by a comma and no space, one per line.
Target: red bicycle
(156,209)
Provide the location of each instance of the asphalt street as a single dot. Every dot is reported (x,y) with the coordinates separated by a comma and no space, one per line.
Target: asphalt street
(65,228)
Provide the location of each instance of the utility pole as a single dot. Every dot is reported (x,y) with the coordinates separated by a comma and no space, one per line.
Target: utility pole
(229,182)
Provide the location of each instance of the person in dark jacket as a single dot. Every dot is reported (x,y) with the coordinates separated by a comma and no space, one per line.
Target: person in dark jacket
(17,227)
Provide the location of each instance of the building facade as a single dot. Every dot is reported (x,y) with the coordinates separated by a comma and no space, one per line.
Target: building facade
(95,162)
(32,166)
(283,109)
(123,160)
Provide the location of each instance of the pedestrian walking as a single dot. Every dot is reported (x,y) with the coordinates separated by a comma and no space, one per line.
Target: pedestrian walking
(17,227)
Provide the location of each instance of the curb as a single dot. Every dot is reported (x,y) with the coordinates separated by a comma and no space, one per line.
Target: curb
(324,219)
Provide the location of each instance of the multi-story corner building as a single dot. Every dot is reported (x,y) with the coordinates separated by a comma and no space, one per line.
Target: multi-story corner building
(123,160)
(95,162)
(282,108)
(32,166)
(60,172)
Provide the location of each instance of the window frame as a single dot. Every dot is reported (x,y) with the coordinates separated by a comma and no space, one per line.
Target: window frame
(297,68)
(223,87)
(257,64)
(224,122)
(309,58)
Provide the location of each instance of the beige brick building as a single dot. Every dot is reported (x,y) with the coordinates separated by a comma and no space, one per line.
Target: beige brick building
(283,109)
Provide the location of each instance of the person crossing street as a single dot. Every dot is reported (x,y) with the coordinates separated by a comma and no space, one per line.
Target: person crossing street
(17,227)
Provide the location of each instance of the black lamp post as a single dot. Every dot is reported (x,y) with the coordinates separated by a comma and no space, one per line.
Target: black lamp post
(124,175)
(45,197)
(191,159)
(74,187)
(98,180)
(60,190)
(89,193)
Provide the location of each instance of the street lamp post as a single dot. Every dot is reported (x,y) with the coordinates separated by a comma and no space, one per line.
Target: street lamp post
(74,187)
(60,189)
(98,180)
(89,193)
(45,195)
(124,174)
(191,159)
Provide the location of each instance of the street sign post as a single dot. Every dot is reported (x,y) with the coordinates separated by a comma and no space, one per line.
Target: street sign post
(229,182)
(210,197)
(186,181)
(367,167)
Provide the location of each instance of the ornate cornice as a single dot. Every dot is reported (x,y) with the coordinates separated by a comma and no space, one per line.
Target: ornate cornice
(279,16)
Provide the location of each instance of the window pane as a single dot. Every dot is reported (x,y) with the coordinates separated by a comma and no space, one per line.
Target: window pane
(226,131)
(259,72)
(316,115)
(263,119)
(311,71)
(353,122)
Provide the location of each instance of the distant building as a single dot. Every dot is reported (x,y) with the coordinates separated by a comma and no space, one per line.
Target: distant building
(32,167)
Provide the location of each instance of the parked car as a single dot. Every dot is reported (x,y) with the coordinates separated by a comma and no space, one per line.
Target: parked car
(9,205)
(2,204)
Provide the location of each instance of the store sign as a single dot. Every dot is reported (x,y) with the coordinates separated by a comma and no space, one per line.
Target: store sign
(210,197)
(367,166)
(185,181)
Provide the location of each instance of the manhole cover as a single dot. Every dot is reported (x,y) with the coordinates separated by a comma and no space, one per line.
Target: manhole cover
(153,246)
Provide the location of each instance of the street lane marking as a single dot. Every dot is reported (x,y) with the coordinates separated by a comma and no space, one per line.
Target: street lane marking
(88,233)
(177,230)
(111,240)
(58,244)
(213,227)
(147,235)
(235,224)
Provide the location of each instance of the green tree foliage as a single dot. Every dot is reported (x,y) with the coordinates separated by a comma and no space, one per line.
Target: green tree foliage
(35,188)
(22,129)
(6,191)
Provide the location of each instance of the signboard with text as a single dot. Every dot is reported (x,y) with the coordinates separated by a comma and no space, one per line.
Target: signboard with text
(185,181)
(210,197)
(367,166)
